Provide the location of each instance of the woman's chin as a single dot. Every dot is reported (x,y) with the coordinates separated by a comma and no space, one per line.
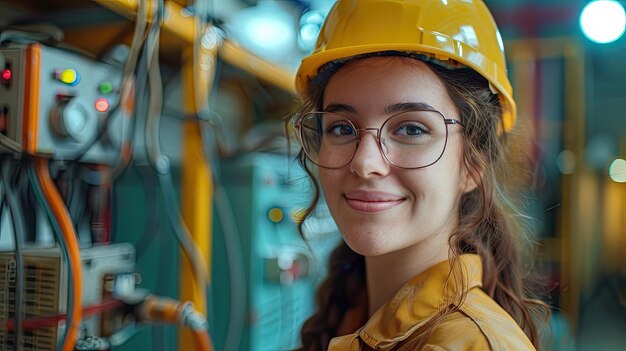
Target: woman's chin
(366,247)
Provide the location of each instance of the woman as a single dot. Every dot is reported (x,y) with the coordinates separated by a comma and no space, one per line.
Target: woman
(408,105)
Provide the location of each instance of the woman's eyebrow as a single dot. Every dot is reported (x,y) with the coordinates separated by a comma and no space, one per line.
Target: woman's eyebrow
(339,108)
(394,108)
(407,106)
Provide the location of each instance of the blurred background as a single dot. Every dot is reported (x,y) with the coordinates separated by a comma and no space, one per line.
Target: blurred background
(144,163)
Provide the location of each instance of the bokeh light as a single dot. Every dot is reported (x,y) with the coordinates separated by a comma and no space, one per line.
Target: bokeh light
(603,21)
(617,170)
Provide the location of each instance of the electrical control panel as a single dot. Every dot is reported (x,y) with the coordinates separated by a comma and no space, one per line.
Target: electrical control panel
(45,290)
(58,103)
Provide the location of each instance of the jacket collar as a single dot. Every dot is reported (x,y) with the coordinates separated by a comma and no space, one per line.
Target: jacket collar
(415,303)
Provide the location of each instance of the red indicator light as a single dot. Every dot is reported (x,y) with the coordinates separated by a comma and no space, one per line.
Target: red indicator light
(102,105)
(6,74)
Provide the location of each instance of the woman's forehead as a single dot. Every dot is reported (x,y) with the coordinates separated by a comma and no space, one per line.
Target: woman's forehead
(373,84)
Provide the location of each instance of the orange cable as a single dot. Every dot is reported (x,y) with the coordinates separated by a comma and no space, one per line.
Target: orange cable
(202,340)
(164,309)
(52,195)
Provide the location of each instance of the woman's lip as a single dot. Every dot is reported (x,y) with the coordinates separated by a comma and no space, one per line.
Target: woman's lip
(372,196)
(372,201)
(372,206)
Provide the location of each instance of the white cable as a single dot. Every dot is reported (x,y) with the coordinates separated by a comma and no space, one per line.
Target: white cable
(237,271)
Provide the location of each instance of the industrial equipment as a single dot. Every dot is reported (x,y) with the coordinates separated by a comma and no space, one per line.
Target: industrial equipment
(267,194)
(59,104)
(45,291)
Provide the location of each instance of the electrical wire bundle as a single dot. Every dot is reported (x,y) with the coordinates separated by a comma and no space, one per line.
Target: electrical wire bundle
(141,66)
(49,198)
(13,187)
(148,70)
(8,196)
(159,162)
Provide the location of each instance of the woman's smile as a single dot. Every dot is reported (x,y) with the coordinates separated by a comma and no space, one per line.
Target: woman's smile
(372,201)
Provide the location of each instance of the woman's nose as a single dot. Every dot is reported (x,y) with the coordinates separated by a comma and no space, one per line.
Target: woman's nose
(368,160)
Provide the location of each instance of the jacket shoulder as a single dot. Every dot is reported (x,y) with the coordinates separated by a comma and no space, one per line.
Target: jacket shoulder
(498,327)
(479,325)
(457,332)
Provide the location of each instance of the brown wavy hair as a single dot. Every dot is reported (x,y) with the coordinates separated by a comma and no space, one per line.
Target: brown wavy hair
(489,221)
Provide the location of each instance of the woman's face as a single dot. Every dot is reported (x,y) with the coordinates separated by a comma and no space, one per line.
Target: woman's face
(380,208)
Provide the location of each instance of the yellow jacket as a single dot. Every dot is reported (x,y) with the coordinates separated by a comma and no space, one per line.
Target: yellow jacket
(480,323)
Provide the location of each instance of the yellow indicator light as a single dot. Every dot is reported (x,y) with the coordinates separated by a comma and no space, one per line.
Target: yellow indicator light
(69,76)
(276,215)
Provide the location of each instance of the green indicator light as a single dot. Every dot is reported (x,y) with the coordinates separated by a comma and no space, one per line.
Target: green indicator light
(106,88)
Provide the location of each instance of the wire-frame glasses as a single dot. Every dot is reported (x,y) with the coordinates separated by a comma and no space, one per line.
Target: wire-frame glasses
(411,139)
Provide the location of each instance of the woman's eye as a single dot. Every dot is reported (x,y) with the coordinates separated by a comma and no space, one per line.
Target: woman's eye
(340,129)
(411,129)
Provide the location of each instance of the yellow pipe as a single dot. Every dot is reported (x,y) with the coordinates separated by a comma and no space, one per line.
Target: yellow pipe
(256,66)
(196,198)
(178,23)
(126,8)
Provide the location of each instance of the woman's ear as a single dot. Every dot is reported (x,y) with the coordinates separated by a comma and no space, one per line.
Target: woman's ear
(472,175)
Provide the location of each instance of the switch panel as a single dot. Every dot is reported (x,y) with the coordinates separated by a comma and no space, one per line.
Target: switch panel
(59,103)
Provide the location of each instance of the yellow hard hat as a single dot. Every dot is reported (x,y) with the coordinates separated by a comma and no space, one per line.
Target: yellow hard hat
(460,30)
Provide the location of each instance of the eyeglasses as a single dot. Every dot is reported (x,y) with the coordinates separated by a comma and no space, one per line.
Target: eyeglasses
(410,140)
